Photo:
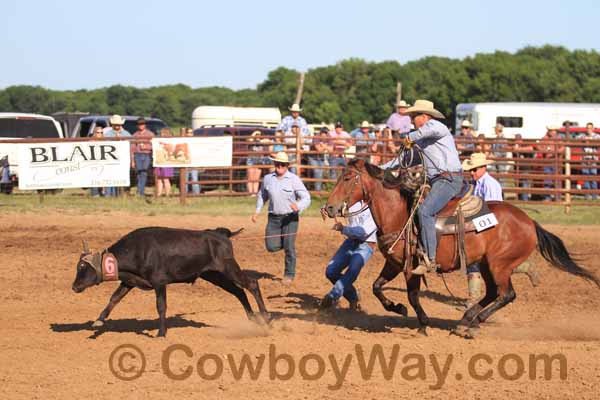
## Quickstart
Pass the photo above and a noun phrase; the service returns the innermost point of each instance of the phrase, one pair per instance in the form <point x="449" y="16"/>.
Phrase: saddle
<point x="465" y="207"/>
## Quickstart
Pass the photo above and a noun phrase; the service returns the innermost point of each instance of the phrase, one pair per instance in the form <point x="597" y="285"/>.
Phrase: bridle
<point x="344" y="212"/>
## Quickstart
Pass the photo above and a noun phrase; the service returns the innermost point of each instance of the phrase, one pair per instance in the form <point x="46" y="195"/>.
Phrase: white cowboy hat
<point x="295" y="108"/>
<point x="552" y="127"/>
<point x="466" y="124"/>
<point x="365" y="124"/>
<point x="280" y="157"/>
<point x="424" y="107"/>
<point x="116" y="120"/>
<point x="402" y="103"/>
<point x="476" y="160"/>
<point x="256" y="133"/>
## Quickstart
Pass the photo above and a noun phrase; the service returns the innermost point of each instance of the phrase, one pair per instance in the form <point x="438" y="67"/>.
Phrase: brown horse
<point x="499" y="250"/>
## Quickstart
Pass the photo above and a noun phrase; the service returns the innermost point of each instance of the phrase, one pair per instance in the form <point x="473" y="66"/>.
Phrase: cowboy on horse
<point x="444" y="173"/>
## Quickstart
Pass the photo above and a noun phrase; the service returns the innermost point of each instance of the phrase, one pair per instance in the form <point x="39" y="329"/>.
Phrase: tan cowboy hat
<point x="476" y="160"/>
<point x="402" y="103"/>
<point x="424" y="107"/>
<point x="116" y="120"/>
<point x="552" y="127"/>
<point x="280" y="157"/>
<point x="466" y="124"/>
<point x="365" y="124"/>
<point x="256" y="133"/>
<point x="295" y="108"/>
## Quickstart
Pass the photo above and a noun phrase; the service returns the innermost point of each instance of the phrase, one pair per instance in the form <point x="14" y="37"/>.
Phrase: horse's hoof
<point x="400" y="309"/>
<point x="460" y="330"/>
<point x="98" y="324"/>
<point x="471" y="333"/>
<point x="422" y="331"/>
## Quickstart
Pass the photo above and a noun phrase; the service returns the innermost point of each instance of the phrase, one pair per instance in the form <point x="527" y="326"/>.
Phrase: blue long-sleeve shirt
<point x="438" y="145"/>
<point x="280" y="193"/>
<point x="488" y="188"/>
<point x="361" y="227"/>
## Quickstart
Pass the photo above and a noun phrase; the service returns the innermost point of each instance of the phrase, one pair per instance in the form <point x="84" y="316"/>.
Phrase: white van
<point x="24" y="126"/>
<point x="218" y="116"/>
<point x="528" y="119"/>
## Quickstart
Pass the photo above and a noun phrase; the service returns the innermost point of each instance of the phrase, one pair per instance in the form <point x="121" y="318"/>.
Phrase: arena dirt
<point x="48" y="349"/>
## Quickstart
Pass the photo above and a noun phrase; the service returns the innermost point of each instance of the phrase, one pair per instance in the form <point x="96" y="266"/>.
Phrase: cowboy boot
<point x="355" y="304"/>
<point x="474" y="287"/>
<point x="425" y="265"/>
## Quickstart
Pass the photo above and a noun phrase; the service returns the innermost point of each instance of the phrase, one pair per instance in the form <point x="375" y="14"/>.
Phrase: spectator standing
<point x="142" y="153"/>
<point x="525" y="155"/>
<point x="163" y="175"/>
<point x="376" y="147"/>
<point x="467" y="147"/>
<point x="362" y="139"/>
<point x="400" y="121"/>
<point x="548" y="149"/>
<point x="5" y="183"/>
<point x="590" y="158"/>
<point x="259" y="150"/>
<point x="501" y="167"/>
<point x="294" y="119"/>
<point x="116" y="130"/>
<point x="321" y="147"/>
<point x="97" y="134"/>
<point x="192" y="173"/>
<point x="340" y="140"/>
<point x="287" y="197"/>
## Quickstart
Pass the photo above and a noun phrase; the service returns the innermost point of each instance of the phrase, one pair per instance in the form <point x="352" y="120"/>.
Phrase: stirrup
<point x="425" y="265"/>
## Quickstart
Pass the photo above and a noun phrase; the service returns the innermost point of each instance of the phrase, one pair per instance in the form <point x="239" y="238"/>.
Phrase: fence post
<point x="182" y="185"/>
<point x="298" y="155"/>
<point x="568" y="180"/>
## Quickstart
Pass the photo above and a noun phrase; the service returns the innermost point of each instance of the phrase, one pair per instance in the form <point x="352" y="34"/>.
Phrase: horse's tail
<point x="553" y="249"/>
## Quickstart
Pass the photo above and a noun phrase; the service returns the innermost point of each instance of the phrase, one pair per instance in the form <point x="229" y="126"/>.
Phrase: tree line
<point x="351" y="90"/>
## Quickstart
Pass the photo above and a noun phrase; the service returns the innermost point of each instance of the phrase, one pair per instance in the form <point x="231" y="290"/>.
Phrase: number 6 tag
<point x="485" y="222"/>
<point x="110" y="267"/>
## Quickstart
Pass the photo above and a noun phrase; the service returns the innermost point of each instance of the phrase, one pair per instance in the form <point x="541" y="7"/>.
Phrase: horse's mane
<point x="387" y="180"/>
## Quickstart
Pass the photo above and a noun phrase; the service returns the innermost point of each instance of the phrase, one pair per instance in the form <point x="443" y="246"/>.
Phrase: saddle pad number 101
<point x="485" y="222"/>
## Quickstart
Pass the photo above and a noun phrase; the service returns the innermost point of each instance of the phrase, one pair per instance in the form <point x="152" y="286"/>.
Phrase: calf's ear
<point x="86" y="248"/>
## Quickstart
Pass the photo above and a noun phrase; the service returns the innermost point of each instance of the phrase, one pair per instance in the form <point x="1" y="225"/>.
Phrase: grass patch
<point x="79" y="201"/>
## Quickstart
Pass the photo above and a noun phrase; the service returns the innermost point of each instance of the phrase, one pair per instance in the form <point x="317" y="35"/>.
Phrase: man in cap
<point x="141" y="152"/>
<point x="444" y="173"/>
<point x="489" y="189"/>
<point x="400" y="120"/>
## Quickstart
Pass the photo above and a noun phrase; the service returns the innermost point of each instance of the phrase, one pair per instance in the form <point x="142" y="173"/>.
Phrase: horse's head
<point x="354" y="184"/>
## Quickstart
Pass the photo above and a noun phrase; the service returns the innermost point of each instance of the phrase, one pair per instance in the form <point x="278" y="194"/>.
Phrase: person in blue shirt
<point x="444" y="173"/>
<point x="363" y="137"/>
<point x="287" y="197"/>
<point x="116" y="130"/>
<point x="353" y="254"/>
<point x="489" y="189"/>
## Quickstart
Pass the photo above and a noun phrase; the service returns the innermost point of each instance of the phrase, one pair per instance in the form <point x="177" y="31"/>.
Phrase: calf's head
<point x="88" y="270"/>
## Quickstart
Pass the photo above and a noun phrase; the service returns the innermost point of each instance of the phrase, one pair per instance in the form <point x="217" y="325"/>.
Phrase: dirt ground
<point x="49" y="350"/>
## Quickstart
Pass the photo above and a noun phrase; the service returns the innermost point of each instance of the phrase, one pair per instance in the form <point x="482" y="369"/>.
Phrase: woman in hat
<point x="287" y="197"/>
<point x="443" y="170"/>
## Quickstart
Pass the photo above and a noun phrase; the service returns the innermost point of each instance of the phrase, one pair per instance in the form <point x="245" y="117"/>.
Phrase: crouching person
<point x="352" y="255"/>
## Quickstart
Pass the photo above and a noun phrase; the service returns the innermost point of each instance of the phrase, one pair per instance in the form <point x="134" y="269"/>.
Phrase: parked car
<point x="85" y="126"/>
<point x="239" y="133"/>
<point x="23" y="126"/>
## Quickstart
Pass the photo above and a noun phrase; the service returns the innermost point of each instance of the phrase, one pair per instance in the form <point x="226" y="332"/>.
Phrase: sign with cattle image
<point x="192" y="152"/>
<point x="73" y="165"/>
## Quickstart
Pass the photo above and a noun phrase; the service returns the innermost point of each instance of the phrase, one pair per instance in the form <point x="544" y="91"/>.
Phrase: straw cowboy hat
<point x="295" y="108"/>
<point x="552" y="127"/>
<point x="402" y="103"/>
<point x="424" y="107"/>
<point x="476" y="160"/>
<point x="256" y="133"/>
<point x="280" y="157"/>
<point x="466" y="124"/>
<point x="365" y="124"/>
<point x="116" y="120"/>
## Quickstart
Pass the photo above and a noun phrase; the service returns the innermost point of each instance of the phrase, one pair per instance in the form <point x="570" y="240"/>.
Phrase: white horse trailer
<point x="216" y="116"/>
<point x="528" y="119"/>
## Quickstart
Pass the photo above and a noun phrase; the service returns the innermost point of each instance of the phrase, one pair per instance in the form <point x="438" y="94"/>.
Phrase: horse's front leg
<point x="413" y="286"/>
<point x="388" y="273"/>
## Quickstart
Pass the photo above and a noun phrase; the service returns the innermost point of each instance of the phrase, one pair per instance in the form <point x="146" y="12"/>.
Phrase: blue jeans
<point x="317" y="172"/>
<point x="283" y="225"/>
<point x="336" y="162"/>
<point x="590" y="185"/>
<point x="442" y="191"/>
<point x="524" y="196"/>
<point x="142" y="163"/>
<point x="548" y="184"/>
<point x="192" y="175"/>
<point x="95" y="192"/>
<point x="111" y="192"/>
<point x="353" y="255"/>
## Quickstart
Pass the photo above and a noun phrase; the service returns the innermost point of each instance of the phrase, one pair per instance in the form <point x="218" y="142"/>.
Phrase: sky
<point x="86" y="45"/>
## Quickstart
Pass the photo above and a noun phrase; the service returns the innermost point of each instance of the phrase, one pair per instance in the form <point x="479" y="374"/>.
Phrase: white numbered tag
<point x="485" y="221"/>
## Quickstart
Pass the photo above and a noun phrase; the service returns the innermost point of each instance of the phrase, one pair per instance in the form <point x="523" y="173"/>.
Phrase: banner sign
<point x="73" y="165"/>
<point x="192" y="151"/>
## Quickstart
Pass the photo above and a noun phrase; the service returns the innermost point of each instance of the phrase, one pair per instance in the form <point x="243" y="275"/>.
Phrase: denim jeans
<point x="548" y="184"/>
<point x="336" y="162"/>
<point x="142" y="163"/>
<point x="524" y="196"/>
<point x="95" y="191"/>
<point x="283" y="225"/>
<point x="192" y="175"/>
<point x="353" y="255"/>
<point x="442" y="190"/>
<point x="590" y="185"/>
<point x="317" y="172"/>
<point x="111" y="192"/>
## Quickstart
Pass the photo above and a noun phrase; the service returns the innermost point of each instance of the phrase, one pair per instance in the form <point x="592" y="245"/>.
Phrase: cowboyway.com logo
<point x="179" y="362"/>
